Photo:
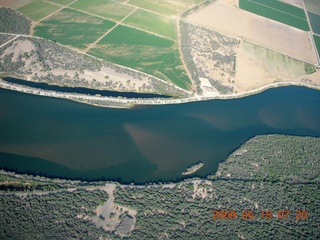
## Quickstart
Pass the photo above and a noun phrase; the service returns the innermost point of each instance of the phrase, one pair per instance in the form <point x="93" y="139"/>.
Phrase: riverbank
<point x="120" y="102"/>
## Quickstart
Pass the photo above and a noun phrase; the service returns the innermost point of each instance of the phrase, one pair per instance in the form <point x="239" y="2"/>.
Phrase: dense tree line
<point x="186" y="210"/>
<point x="13" y="22"/>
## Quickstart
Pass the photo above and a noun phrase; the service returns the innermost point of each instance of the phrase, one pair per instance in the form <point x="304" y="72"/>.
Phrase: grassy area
<point x="152" y="22"/>
<point x="104" y="8"/>
<point x="145" y="52"/>
<point x="278" y="11"/>
<point x="62" y="2"/>
<point x="73" y="28"/>
<point x="38" y="9"/>
<point x="165" y="7"/>
<point x="317" y="41"/>
<point x="277" y="63"/>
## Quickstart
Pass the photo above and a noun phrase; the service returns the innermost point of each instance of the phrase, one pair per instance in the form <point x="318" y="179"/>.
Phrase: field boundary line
<point x="277" y="10"/>
<point x="194" y="84"/>
<point x="311" y="32"/>
<point x="103" y="60"/>
<point x="99" y="39"/>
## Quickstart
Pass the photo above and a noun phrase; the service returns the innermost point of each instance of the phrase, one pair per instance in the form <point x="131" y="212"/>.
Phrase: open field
<point x="38" y="9"/>
<point x="104" y="8"/>
<point x="315" y="22"/>
<point x="231" y="65"/>
<point x="258" y="30"/>
<point x="313" y="6"/>
<point x="165" y="7"/>
<point x="151" y="22"/>
<point x="73" y="28"/>
<point x="317" y="41"/>
<point x="145" y="52"/>
<point x="277" y="11"/>
<point x="62" y="2"/>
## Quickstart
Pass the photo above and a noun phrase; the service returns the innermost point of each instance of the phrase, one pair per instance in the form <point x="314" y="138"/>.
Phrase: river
<point x="61" y="138"/>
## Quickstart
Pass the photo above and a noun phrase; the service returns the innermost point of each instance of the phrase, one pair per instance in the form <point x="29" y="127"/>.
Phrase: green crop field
<point x="315" y="22"/>
<point x="145" y="52"/>
<point x="38" y="9"/>
<point x="62" y="2"/>
<point x="104" y="8"/>
<point x="278" y="11"/>
<point x="151" y="22"/>
<point x="317" y="41"/>
<point x="73" y="28"/>
<point x="165" y="7"/>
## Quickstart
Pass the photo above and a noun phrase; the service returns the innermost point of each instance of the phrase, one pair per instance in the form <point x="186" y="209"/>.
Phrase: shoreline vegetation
<point x="122" y="102"/>
<point x="268" y="172"/>
<point x="193" y="168"/>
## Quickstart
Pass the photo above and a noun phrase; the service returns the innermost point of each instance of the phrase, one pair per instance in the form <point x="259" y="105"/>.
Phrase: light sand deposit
<point x="221" y="16"/>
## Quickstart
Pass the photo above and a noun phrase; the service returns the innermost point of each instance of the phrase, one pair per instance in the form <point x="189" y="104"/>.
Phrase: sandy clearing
<point x="256" y="29"/>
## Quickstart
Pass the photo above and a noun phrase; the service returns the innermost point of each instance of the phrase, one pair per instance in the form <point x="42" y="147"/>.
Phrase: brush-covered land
<point x="268" y="173"/>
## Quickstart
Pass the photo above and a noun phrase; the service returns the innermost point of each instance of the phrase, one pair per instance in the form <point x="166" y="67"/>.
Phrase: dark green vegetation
<point x="73" y="28"/>
<point x="287" y="178"/>
<point x="50" y="216"/>
<point x="13" y="22"/>
<point x="154" y="23"/>
<point x="145" y="52"/>
<point x="36" y="10"/>
<point x="278" y="11"/>
<point x="317" y="42"/>
<point x="265" y="158"/>
<point x="105" y="8"/>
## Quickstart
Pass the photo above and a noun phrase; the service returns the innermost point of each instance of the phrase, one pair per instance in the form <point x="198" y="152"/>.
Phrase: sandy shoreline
<point x="113" y="102"/>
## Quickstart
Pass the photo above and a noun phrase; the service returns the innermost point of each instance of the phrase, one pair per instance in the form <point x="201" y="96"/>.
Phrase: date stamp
<point x="263" y="214"/>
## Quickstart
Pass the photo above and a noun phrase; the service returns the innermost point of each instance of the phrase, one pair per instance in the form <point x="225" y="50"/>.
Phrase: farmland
<point x="315" y="22"/>
<point x="73" y="28"/>
<point x="104" y="8"/>
<point x="165" y="7"/>
<point x="317" y="41"/>
<point x="62" y="2"/>
<point x="38" y="9"/>
<point x="313" y="6"/>
<point x="148" y="21"/>
<point x="277" y="11"/>
<point x="145" y="52"/>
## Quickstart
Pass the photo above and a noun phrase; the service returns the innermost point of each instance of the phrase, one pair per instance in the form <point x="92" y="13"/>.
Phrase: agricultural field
<point x="145" y="52"/>
<point x="105" y="8"/>
<point x="313" y="6"/>
<point x="151" y="22"/>
<point x="278" y="11"/>
<point x="317" y="41"/>
<point x="38" y="9"/>
<point x="73" y="28"/>
<point x="165" y="7"/>
<point x="62" y="2"/>
<point x="315" y="22"/>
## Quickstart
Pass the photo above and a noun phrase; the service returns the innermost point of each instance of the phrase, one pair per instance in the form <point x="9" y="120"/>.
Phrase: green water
<point x="61" y="138"/>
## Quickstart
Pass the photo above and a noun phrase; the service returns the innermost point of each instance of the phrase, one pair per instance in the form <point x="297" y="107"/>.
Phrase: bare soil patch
<point x="222" y="17"/>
